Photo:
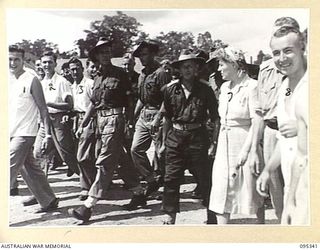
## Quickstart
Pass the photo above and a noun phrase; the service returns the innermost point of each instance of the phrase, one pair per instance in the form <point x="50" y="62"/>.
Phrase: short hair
<point x="50" y="53"/>
<point x="65" y="65"/>
<point x="75" y="61"/>
<point x="88" y="62"/>
<point x="16" y="49"/>
<point x="285" y="30"/>
<point x="287" y="22"/>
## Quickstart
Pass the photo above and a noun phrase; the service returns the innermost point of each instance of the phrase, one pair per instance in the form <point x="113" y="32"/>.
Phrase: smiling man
<point x="265" y="127"/>
<point x="58" y="96"/>
<point x="26" y="101"/>
<point x="288" y="47"/>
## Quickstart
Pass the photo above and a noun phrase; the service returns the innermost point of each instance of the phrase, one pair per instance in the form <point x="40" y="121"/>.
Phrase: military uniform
<point x="187" y="140"/>
<point x="269" y="82"/>
<point x="109" y="98"/>
<point x="150" y="84"/>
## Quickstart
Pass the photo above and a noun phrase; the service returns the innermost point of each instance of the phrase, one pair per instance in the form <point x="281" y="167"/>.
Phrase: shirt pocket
<point x="107" y="125"/>
<point x="112" y="83"/>
<point x="151" y="86"/>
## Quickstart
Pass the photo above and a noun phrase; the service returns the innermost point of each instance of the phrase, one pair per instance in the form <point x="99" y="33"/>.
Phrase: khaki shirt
<point x="269" y="81"/>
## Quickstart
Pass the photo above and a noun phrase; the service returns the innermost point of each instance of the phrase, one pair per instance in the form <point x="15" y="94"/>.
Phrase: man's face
<point x="76" y="71"/>
<point x="48" y="64"/>
<point x="38" y="68"/>
<point x="104" y="54"/>
<point x="15" y="63"/>
<point x="92" y="70"/>
<point x="188" y="69"/>
<point x="146" y="56"/>
<point x="128" y="64"/>
<point x="287" y="53"/>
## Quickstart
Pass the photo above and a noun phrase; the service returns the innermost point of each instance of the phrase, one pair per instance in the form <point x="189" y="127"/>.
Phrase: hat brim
<point x="198" y="60"/>
<point x="93" y="51"/>
<point x="152" y="47"/>
<point x="211" y="59"/>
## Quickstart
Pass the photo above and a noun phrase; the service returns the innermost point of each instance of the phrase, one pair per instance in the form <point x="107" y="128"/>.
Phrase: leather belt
<point x="111" y="111"/>
<point x="272" y="123"/>
<point x="147" y="106"/>
<point x="187" y="126"/>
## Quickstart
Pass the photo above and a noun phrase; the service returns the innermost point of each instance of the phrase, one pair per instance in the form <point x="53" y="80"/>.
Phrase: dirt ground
<point x="110" y="211"/>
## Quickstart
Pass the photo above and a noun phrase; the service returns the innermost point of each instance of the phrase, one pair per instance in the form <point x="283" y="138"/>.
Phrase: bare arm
<point x="38" y="96"/>
<point x="271" y="166"/>
<point x="137" y="109"/>
<point x="66" y="105"/>
<point x="87" y="116"/>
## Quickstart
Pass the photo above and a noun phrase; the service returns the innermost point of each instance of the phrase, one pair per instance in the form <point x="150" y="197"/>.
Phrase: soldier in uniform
<point x="109" y="99"/>
<point x="185" y="107"/>
<point x="152" y="78"/>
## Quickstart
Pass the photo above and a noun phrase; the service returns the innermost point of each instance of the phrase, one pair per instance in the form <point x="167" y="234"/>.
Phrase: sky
<point x="246" y="29"/>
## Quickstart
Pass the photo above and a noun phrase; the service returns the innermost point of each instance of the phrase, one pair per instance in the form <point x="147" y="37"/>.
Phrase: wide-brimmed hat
<point x="151" y="44"/>
<point x="102" y="41"/>
<point x="185" y="55"/>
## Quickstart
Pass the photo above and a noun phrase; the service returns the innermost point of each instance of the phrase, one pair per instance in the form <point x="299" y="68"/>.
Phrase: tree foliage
<point x="120" y="28"/>
<point x="173" y="42"/>
<point x="37" y="47"/>
<point x="204" y="41"/>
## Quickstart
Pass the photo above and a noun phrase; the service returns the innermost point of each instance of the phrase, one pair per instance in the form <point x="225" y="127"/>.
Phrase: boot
<point x="81" y="213"/>
<point x="30" y="201"/>
<point x="212" y="218"/>
<point x="137" y="201"/>
<point x="170" y="219"/>
<point x="152" y="187"/>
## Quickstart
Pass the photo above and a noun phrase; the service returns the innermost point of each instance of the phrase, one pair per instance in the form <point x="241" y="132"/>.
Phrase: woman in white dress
<point x="233" y="185"/>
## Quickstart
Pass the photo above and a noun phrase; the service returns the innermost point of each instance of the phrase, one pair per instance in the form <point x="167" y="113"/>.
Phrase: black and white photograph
<point x="158" y="117"/>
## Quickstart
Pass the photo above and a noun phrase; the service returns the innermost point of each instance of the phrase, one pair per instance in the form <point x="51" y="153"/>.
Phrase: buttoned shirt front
<point x="56" y="90"/>
<point x="151" y="81"/>
<point x="193" y="109"/>
<point x="82" y="93"/>
<point x="111" y="89"/>
<point x="236" y="104"/>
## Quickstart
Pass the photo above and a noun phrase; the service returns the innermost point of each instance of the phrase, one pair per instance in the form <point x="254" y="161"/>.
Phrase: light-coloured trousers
<point x="22" y="160"/>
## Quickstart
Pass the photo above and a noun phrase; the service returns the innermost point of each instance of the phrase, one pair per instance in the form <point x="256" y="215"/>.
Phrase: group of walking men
<point x="101" y="107"/>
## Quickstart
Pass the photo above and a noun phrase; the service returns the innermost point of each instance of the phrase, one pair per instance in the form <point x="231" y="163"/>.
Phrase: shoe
<point x="81" y="213"/>
<point x="70" y="172"/>
<point x="136" y="202"/>
<point x="211" y="218"/>
<point x="14" y="192"/>
<point x="152" y="187"/>
<point x="51" y="207"/>
<point x="83" y="197"/>
<point x="170" y="219"/>
<point x="30" y="201"/>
